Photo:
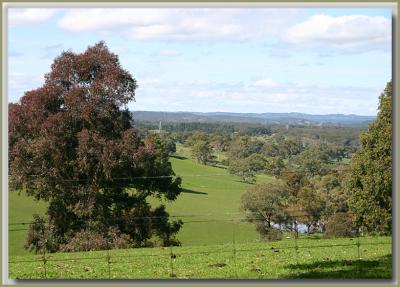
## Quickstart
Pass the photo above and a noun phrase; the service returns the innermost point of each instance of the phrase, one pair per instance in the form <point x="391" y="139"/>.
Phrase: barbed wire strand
<point x="161" y="176"/>
<point x="49" y="258"/>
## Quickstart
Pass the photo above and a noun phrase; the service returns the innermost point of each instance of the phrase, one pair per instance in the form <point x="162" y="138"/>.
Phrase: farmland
<point x="314" y="258"/>
<point x="209" y="193"/>
<point x="215" y="244"/>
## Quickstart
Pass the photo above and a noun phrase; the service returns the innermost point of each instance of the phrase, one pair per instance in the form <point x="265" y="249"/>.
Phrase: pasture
<point x="314" y="258"/>
<point x="209" y="194"/>
<point x="215" y="242"/>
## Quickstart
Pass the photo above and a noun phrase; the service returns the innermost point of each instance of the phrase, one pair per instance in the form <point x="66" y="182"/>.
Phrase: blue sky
<point x="309" y="60"/>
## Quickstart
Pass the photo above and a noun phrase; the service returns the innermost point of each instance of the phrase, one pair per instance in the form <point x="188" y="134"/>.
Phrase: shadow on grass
<point x="219" y="166"/>
<point x="313" y="236"/>
<point x="379" y="268"/>
<point x="184" y="190"/>
<point x="243" y="181"/>
<point x="178" y="156"/>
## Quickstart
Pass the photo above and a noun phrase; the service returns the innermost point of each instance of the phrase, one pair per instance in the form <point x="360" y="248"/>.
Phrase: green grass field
<point x="209" y="193"/>
<point x="314" y="258"/>
<point x="223" y="248"/>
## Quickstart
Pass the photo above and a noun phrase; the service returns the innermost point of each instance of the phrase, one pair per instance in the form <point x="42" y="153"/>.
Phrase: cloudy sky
<point x="309" y="60"/>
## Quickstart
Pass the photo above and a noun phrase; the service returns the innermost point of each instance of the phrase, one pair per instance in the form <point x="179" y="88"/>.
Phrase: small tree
<point x="168" y="143"/>
<point x="243" y="169"/>
<point x="202" y="152"/>
<point x="274" y="166"/>
<point x="248" y="167"/>
<point x="220" y="142"/>
<point x="311" y="203"/>
<point x="195" y="137"/>
<point x="239" y="148"/>
<point x="291" y="147"/>
<point x="265" y="205"/>
<point x="335" y="197"/>
<point x="339" y="225"/>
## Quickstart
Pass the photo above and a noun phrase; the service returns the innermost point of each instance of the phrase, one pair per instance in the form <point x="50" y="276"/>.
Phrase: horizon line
<point x="254" y="113"/>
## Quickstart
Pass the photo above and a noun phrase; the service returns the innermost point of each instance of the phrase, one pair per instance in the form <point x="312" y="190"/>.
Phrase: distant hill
<point x="264" y="118"/>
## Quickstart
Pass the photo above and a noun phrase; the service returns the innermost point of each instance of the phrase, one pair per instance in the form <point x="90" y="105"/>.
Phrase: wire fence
<point x="227" y="259"/>
<point x="234" y="259"/>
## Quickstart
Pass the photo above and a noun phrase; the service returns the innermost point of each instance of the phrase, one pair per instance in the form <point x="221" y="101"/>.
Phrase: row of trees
<point x="248" y="156"/>
<point x="340" y="202"/>
<point x="294" y="199"/>
<point x="248" y="129"/>
<point x="338" y="135"/>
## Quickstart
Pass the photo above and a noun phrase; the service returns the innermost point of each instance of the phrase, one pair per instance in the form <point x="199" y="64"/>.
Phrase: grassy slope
<point x="327" y="258"/>
<point x="213" y="197"/>
<point x="20" y="209"/>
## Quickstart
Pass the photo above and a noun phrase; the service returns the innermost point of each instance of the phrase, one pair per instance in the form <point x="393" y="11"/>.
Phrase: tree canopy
<point x="73" y="144"/>
<point x="370" y="180"/>
<point x="265" y="205"/>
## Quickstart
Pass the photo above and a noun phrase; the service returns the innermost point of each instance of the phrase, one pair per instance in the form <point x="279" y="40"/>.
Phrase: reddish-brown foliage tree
<point x="73" y="144"/>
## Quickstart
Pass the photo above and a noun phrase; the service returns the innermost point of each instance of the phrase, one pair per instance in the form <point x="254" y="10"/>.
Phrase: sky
<point x="253" y="60"/>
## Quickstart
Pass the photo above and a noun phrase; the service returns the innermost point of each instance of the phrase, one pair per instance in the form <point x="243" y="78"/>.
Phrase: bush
<point x="41" y="236"/>
<point x="85" y="240"/>
<point x="117" y="239"/>
<point x="339" y="225"/>
<point x="269" y="233"/>
<point x="224" y="162"/>
<point x="88" y="240"/>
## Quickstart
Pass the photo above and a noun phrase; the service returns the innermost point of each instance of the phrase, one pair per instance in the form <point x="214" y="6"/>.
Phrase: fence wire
<point x="172" y="255"/>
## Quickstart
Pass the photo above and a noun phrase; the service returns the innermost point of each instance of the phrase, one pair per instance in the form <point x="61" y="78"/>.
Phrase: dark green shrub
<point x="41" y="236"/>
<point x="339" y="225"/>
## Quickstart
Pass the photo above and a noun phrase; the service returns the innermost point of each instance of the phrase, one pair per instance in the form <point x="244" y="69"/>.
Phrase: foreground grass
<point x="314" y="258"/>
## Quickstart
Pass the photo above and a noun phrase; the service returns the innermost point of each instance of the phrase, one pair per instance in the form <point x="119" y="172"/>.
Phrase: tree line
<point x="343" y="202"/>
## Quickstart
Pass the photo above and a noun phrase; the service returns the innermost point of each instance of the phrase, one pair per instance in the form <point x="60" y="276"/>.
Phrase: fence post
<point x="44" y="262"/>
<point x="234" y="249"/>
<point x="296" y="247"/>
<point x="358" y="253"/>
<point x="44" y="246"/>
<point x="109" y="263"/>
<point x="171" y="263"/>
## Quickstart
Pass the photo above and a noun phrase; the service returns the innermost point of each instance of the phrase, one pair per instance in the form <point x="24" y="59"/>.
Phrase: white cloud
<point x="266" y="83"/>
<point x="19" y="83"/>
<point x="157" y="94"/>
<point x="18" y="16"/>
<point x="97" y="19"/>
<point x="179" y="23"/>
<point x="170" y="53"/>
<point x="149" y="82"/>
<point x="344" y="32"/>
